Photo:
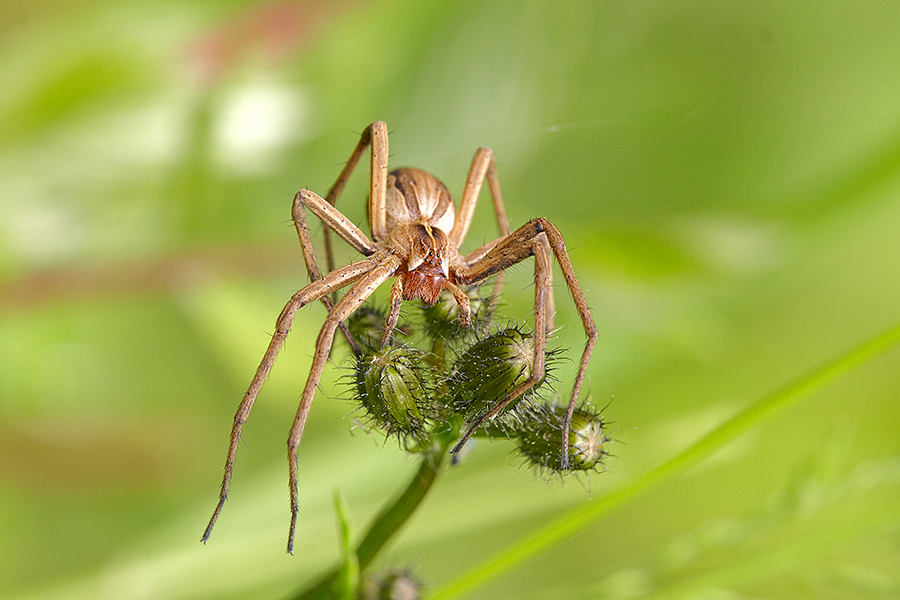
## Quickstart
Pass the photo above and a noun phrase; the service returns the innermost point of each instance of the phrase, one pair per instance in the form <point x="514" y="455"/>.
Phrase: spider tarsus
<point x="291" y="530"/>
<point x="465" y="438"/>
<point x="455" y="450"/>
<point x="215" y="517"/>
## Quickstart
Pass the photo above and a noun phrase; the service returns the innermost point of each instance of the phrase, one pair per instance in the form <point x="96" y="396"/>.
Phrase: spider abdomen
<point x="416" y="196"/>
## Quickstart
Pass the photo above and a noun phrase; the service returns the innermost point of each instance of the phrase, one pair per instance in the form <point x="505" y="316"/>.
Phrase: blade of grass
<point x="582" y="517"/>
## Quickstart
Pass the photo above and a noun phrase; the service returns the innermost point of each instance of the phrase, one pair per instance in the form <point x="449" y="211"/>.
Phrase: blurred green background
<point x="727" y="176"/>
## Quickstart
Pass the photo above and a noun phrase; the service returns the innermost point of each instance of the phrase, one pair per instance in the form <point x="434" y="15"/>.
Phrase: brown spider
<point x="417" y="234"/>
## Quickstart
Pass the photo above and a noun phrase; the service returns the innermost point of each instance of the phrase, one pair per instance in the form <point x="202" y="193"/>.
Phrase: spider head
<point x="427" y="251"/>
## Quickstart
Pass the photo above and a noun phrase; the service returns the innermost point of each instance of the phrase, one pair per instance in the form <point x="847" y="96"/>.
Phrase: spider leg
<point x="378" y="181"/>
<point x="551" y="302"/>
<point x="514" y="254"/>
<point x="333" y="218"/>
<point x="465" y="308"/>
<point x="532" y="239"/>
<point x="394" y="314"/>
<point x="482" y="251"/>
<point x="478" y="253"/>
<point x="345" y="228"/>
<point x="312" y="292"/>
<point x="465" y="312"/>
<point x="483" y="166"/>
<point x="374" y="135"/>
<point x="380" y="269"/>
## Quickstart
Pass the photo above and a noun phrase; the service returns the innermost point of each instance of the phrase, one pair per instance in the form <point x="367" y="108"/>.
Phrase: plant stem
<point x="386" y="524"/>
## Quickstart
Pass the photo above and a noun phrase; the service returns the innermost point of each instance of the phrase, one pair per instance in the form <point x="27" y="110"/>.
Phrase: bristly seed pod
<point x="365" y="326"/>
<point x="395" y="584"/>
<point x="489" y="370"/>
<point x="540" y="438"/>
<point x="441" y="320"/>
<point x="392" y="387"/>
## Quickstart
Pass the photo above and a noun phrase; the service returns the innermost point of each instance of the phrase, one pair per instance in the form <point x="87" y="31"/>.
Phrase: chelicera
<point x="417" y="233"/>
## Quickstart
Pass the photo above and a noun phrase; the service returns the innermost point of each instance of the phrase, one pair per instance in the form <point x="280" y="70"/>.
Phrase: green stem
<point x="394" y="516"/>
<point x="753" y="415"/>
<point x="386" y="525"/>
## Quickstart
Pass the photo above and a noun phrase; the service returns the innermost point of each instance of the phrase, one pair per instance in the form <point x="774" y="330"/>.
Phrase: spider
<point x="416" y="236"/>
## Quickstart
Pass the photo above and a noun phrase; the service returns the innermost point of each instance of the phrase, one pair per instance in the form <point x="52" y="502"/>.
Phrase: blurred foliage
<point x="727" y="177"/>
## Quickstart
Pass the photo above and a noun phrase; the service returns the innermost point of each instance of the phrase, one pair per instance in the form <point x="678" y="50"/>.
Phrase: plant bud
<point x="540" y="439"/>
<point x="396" y="584"/>
<point x="489" y="370"/>
<point x="391" y="386"/>
<point x="366" y="325"/>
<point x="441" y="320"/>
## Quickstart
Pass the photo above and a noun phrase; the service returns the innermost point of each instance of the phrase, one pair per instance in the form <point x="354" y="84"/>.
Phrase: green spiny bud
<point x="441" y="320"/>
<point x="366" y="325"/>
<point x="489" y="370"/>
<point x="391" y="385"/>
<point x="540" y="439"/>
<point x="395" y="584"/>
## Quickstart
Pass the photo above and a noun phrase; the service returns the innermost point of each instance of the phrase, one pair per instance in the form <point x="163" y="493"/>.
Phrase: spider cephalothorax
<point x="416" y="236"/>
<point x="427" y="266"/>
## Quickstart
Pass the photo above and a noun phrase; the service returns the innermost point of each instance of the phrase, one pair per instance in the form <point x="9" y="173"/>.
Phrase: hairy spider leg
<point x="527" y="241"/>
<point x="312" y="292"/>
<point x="385" y="267"/>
